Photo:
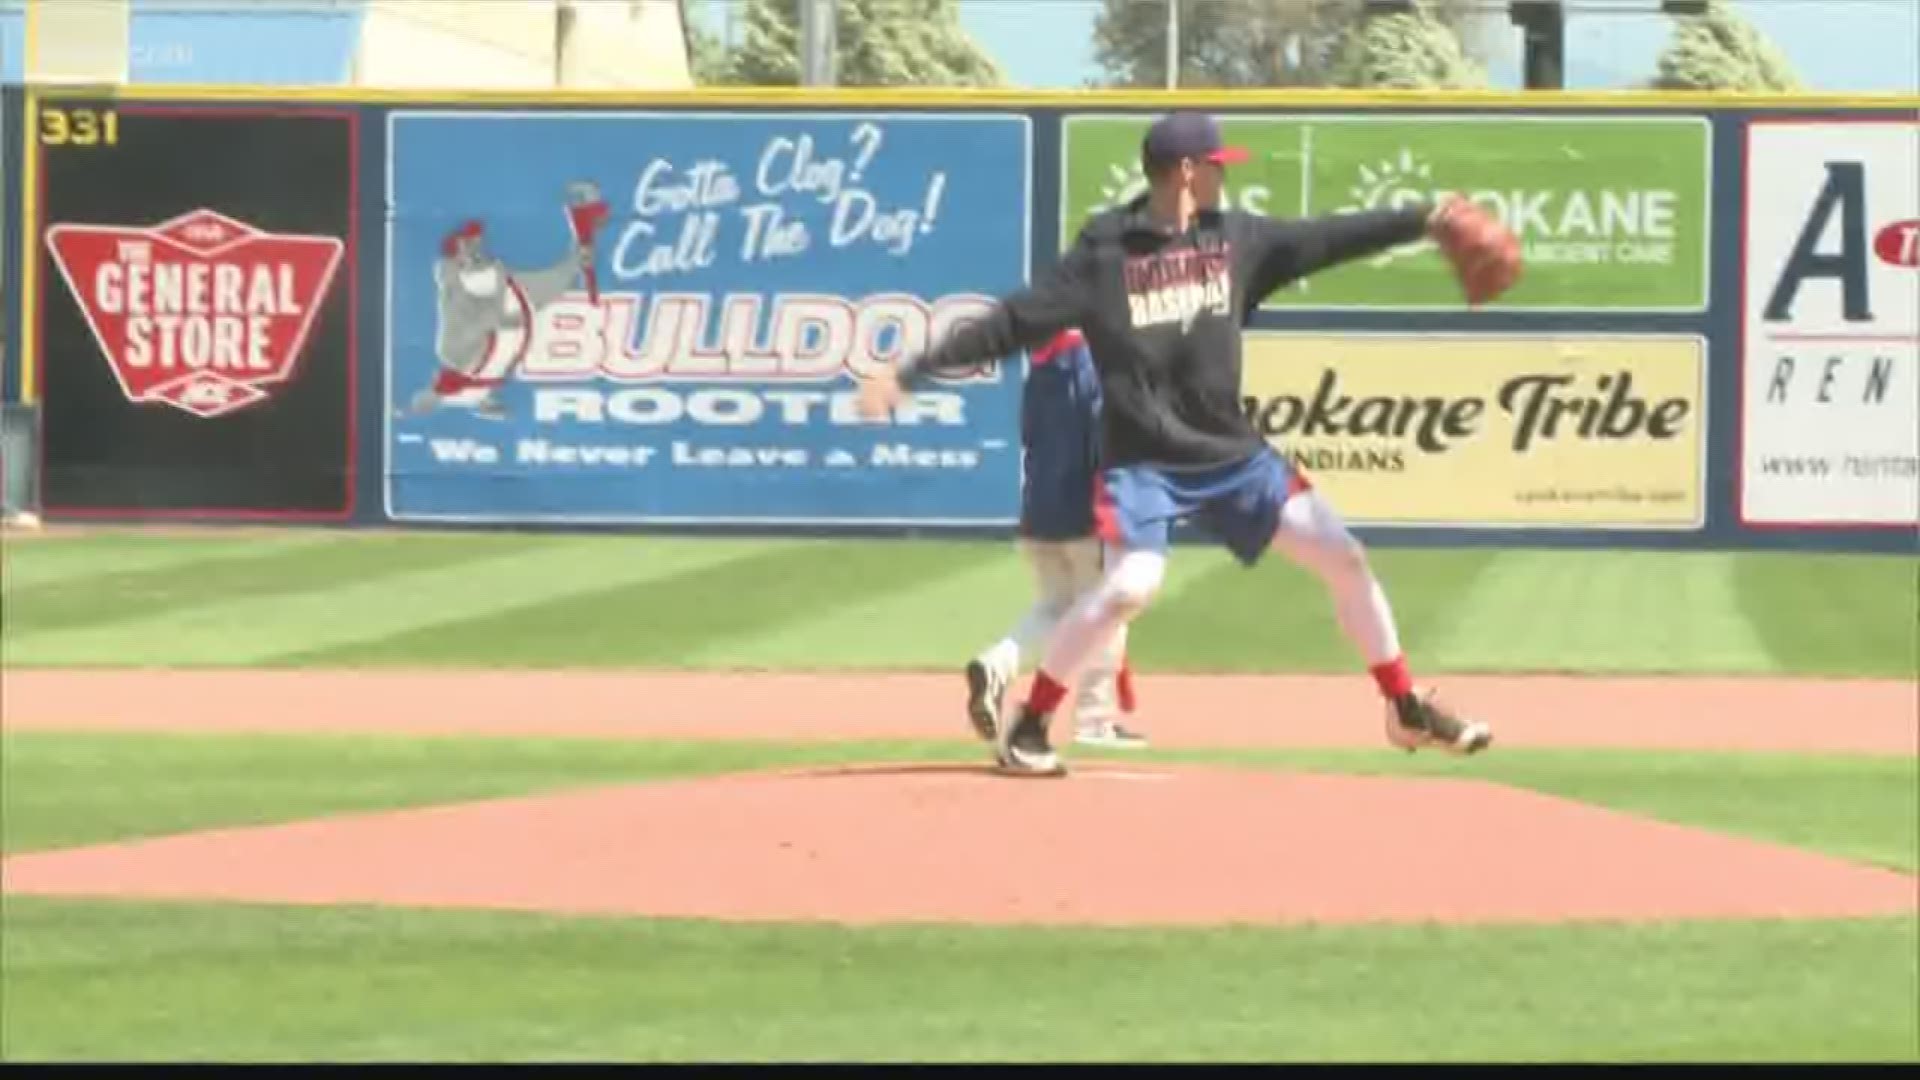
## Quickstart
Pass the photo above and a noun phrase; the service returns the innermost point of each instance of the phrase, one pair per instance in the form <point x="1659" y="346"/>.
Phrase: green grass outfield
<point x="193" y="981"/>
<point x="527" y="600"/>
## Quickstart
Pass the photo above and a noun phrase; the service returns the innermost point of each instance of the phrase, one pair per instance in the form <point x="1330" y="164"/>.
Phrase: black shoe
<point x="986" y="697"/>
<point x="1417" y="720"/>
<point x="1025" y="749"/>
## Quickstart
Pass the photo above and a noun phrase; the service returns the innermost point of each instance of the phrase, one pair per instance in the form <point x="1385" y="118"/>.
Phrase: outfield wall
<point x="238" y="306"/>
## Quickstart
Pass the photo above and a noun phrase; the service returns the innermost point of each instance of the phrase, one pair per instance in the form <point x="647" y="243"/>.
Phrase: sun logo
<point x="1390" y="183"/>
<point x="1405" y="176"/>
<point x="1124" y="183"/>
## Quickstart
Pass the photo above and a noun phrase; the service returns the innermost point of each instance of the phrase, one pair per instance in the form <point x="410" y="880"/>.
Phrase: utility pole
<point x="1173" y="44"/>
<point x="565" y="22"/>
<point x="817" y="33"/>
<point x="1544" y="26"/>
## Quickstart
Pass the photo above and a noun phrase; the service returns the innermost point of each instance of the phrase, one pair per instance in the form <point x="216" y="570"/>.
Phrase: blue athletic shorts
<point x="1135" y="506"/>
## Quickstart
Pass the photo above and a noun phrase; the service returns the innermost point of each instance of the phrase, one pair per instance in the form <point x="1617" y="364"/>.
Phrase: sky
<point x="1862" y="46"/>
<point x="1834" y="45"/>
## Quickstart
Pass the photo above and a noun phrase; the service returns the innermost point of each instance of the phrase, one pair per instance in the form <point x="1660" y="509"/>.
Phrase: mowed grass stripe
<point x="1863" y="807"/>
<point x="1611" y="612"/>
<point x="669" y="621"/>
<point x="153" y="592"/>
<point x="952" y="613"/>
<point x="30" y="565"/>
<point x="879" y="603"/>
<point x="1277" y="617"/>
<point x="953" y="616"/>
<point x="429" y="605"/>
<point x="140" y="981"/>
<point x="61" y="789"/>
<point x="1835" y="614"/>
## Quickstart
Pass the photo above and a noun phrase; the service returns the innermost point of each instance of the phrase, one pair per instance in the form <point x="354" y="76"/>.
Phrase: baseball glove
<point x="1484" y="253"/>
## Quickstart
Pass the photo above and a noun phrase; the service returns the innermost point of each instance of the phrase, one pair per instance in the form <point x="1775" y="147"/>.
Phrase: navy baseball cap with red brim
<point x="1189" y="135"/>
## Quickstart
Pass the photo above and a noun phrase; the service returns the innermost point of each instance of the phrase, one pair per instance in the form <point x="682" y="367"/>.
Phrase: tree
<point x="1720" y="50"/>
<point x="876" y="43"/>
<point x="1408" y="51"/>
<point x="1231" y="43"/>
<point x="706" y="57"/>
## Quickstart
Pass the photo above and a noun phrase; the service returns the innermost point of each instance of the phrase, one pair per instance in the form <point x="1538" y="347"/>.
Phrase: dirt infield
<point x="1861" y="716"/>
<point x="1112" y="844"/>
<point x="1157" y="844"/>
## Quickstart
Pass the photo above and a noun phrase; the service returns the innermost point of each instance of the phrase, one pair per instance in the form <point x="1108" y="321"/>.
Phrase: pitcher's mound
<point x="1110" y="845"/>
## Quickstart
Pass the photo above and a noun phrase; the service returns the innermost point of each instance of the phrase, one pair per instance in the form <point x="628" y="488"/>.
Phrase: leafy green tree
<point x="1414" y="50"/>
<point x="1252" y="43"/>
<point x="1721" y="50"/>
<point x="706" y="55"/>
<point x="876" y="43"/>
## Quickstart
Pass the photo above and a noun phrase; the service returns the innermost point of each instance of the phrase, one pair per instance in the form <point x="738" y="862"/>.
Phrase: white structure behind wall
<point x="76" y="41"/>
<point x="387" y="44"/>
<point x="522" y="44"/>
<point x="627" y="43"/>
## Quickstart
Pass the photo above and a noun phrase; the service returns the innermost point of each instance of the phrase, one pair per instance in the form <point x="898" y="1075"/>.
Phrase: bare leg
<point x="1094" y="697"/>
<point x="990" y="672"/>
<point x="1126" y="588"/>
<point x="1312" y="534"/>
<point x="1055" y="586"/>
<point x="1098" y="700"/>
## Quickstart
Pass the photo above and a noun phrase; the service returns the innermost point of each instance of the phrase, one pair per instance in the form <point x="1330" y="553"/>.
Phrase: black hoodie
<point x="1162" y="311"/>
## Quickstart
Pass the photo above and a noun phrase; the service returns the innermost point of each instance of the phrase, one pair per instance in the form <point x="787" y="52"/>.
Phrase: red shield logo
<point x="203" y="313"/>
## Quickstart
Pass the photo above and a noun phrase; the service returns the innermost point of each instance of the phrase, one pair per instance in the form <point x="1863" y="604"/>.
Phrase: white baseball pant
<point x="1063" y="572"/>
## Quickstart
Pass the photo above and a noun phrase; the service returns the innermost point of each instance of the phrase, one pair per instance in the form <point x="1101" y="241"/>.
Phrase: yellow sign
<point x="1508" y="431"/>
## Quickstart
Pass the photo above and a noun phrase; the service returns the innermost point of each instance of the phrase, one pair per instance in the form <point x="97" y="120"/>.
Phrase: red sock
<point x="1392" y="677"/>
<point x="1045" y="694"/>
<point x="1123" y="683"/>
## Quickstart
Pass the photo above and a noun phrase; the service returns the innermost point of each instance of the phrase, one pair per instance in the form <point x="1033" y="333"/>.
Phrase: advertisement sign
<point x="664" y="317"/>
<point x="195" y="307"/>
<point x="9" y="272"/>
<point x="1830" y="356"/>
<point x="1493" y="431"/>
<point x="1612" y="213"/>
<point x="18" y="436"/>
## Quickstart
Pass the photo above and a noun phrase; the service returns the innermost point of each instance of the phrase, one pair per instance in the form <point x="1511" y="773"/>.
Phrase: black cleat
<point x="986" y="698"/>
<point x="1419" y="720"/>
<point x="1024" y="748"/>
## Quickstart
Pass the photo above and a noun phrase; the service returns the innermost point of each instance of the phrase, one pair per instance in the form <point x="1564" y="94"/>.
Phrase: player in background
<point x="1059" y="461"/>
<point x="1162" y="288"/>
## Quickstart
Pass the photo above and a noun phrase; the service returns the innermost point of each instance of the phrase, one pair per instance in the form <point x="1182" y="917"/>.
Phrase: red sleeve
<point x="1066" y="339"/>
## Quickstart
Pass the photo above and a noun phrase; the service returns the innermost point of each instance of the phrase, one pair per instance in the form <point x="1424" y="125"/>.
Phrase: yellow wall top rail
<point x="978" y="98"/>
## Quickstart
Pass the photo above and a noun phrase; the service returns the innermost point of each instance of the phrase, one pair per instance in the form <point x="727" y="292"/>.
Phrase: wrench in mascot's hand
<point x="586" y="213"/>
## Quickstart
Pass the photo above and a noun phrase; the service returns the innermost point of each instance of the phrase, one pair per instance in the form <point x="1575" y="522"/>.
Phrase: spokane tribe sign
<point x="202" y="313"/>
<point x="1830" y="424"/>
<point x="196" y="327"/>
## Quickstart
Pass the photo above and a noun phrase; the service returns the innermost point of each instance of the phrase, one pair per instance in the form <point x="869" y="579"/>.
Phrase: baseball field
<point x="311" y="795"/>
